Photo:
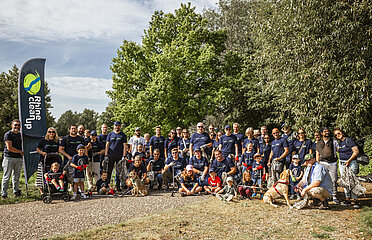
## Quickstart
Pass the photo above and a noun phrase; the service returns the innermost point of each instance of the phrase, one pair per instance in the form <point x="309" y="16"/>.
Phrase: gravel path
<point x="35" y="220"/>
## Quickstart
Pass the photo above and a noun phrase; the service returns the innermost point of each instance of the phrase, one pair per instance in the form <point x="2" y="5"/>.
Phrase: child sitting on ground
<point x="140" y="170"/>
<point x="55" y="175"/>
<point x="103" y="185"/>
<point x="79" y="163"/>
<point x="257" y="173"/>
<point x="214" y="182"/>
<point x="296" y="172"/>
<point x="229" y="191"/>
<point x="189" y="183"/>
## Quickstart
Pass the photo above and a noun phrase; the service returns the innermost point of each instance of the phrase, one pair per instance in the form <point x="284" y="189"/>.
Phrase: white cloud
<point x="56" y="20"/>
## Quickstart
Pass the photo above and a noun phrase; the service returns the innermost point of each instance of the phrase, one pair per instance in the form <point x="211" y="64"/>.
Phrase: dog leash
<point x="276" y="190"/>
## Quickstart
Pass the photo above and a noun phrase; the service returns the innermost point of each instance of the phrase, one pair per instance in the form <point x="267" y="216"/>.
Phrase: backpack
<point x="362" y="158"/>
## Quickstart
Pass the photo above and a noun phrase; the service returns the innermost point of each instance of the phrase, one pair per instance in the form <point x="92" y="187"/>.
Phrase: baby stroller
<point x="49" y="190"/>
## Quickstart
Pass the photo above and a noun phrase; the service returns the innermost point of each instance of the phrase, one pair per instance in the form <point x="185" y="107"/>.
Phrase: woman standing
<point x="348" y="152"/>
<point x="301" y="146"/>
<point x="170" y="143"/>
<point x="184" y="145"/>
<point x="216" y="143"/>
<point x="265" y="150"/>
<point x="49" y="144"/>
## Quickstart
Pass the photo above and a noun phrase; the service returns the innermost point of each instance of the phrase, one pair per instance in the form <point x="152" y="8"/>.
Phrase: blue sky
<point x="78" y="39"/>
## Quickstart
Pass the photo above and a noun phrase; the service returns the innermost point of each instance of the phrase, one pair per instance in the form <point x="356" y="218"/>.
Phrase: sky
<point x="78" y="40"/>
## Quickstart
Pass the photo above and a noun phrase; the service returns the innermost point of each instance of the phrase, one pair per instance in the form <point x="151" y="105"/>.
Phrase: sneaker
<point x="18" y="194"/>
<point x="4" y="197"/>
<point x="346" y="203"/>
<point x="73" y="197"/>
<point x="58" y="188"/>
<point x="183" y="194"/>
<point x="159" y="187"/>
<point x="61" y="189"/>
<point x="166" y="189"/>
<point x="218" y="196"/>
<point x="254" y="194"/>
<point x="336" y="201"/>
<point x="261" y="195"/>
<point x="292" y="197"/>
<point x="315" y="202"/>
<point x="356" y="205"/>
<point x="83" y="196"/>
<point x="324" y="205"/>
<point x="298" y="197"/>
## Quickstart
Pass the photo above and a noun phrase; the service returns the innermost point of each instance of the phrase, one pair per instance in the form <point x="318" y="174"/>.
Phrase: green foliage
<point x="106" y="117"/>
<point x="9" y="101"/>
<point x="88" y="118"/>
<point x="172" y="77"/>
<point x="365" y="220"/>
<point x="364" y="170"/>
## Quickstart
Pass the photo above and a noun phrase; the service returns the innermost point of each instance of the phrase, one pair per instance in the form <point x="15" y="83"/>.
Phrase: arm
<point x="353" y="156"/>
<point x="286" y="151"/>
<point x="38" y="150"/>
<point x="107" y="148"/>
<point x="270" y="158"/>
<point x="61" y="150"/>
<point x="190" y="147"/>
<point x="317" y="156"/>
<point x="236" y="150"/>
<point x="232" y="171"/>
<point x="312" y="185"/>
<point x="10" y="147"/>
<point x="125" y="149"/>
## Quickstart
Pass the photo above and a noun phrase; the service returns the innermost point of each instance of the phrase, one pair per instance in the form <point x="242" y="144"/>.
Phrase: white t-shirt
<point x="134" y="142"/>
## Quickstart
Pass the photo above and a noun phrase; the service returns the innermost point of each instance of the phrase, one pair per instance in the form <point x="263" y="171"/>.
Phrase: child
<point x="257" y="173"/>
<point x="103" y="185"/>
<point x="189" y="183"/>
<point x="54" y="175"/>
<point x="79" y="163"/>
<point x="140" y="169"/>
<point x="214" y="181"/>
<point x="296" y="172"/>
<point x="141" y="153"/>
<point x="229" y="191"/>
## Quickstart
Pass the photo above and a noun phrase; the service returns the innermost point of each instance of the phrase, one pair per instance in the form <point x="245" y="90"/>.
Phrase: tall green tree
<point x="9" y="100"/>
<point x="88" y="118"/>
<point x="172" y="77"/>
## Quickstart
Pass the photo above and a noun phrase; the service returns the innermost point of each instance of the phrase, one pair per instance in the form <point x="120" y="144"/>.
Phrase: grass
<point x="212" y="219"/>
<point x="365" y="220"/>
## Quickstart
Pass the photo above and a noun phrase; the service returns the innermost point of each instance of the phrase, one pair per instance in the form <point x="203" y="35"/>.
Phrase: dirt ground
<point x="213" y="219"/>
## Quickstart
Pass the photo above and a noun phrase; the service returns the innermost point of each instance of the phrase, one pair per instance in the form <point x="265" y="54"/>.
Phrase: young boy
<point x="296" y="172"/>
<point x="103" y="185"/>
<point x="54" y="175"/>
<point x="257" y="173"/>
<point x="229" y="191"/>
<point x="214" y="181"/>
<point x="79" y="163"/>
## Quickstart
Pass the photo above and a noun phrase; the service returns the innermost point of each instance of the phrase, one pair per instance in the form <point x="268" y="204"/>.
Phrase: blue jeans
<point x="354" y="167"/>
<point x="11" y="166"/>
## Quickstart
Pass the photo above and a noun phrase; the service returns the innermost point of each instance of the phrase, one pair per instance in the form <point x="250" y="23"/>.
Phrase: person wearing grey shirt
<point x="229" y="191"/>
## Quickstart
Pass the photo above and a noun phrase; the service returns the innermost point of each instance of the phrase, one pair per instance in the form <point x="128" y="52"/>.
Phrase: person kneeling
<point x="189" y="183"/>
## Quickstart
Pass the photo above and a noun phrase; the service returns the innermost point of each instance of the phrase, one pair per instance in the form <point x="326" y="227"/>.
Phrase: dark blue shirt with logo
<point x="199" y="140"/>
<point x="116" y="144"/>
<point x="198" y="164"/>
<point x="79" y="161"/>
<point x="344" y="148"/>
<point x="158" y="143"/>
<point x="239" y="140"/>
<point x="70" y="143"/>
<point x="228" y="144"/>
<point x="224" y="166"/>
<point x="277" y="147"/>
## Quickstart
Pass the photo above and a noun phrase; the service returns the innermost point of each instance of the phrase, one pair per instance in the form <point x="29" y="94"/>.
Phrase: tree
<point x="9" y="100"/>
<point x="88" y="118"/>
<point x="106" y="117"/>
<point x="172" y="77"/>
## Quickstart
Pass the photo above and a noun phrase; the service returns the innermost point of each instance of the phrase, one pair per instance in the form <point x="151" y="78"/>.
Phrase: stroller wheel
<point x="47" y="199"/>
<point x="66" y="198"/>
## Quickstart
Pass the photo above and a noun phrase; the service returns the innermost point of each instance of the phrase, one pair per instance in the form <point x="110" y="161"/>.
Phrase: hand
<point x="347" y="163"/>
<point x="85" y="166"/>
<point x="21" y="153"/>
<point x="303" y="192"/>
<point x="62" y="176"/>
<point x="171" y="164"/>
<point x="123" y="158"/>
<point x="69" y="158"/>
<point x="112" y="191"/>
<point x="44" y="154"/>
<point x="269" y="164"/>
<point x="202" y="177"/>
<point x="276" y="159"/>
<point x="79" y="168"/>
<point x="106" y="158"/>
<point x="188" y="192"/>
<point x="90" y="192"/>
<point x="94" y="154"/>
<point x="237" y="158"/>
<point x="48" y="179"/>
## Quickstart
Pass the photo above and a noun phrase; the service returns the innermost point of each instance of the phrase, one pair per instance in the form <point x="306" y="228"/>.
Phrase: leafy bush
<point x="364" y="170"/>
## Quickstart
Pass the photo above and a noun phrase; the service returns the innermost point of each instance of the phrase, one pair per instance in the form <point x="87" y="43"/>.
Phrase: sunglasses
<point x="184" y="132"/>
<point x="266" y="138"/>
<point x="94" y="135"/>
<point x="301" y="133"/>
<point x="228" y="129"/>
<point x="275" y="133"/>
<point x="172" y="133"/>
<point x="179" y="129"/>
<point x="156" y="154"/>
<point x="17" y="125"/>
<point x="51" y="132"/>
<point x="200" y="127"/>
<point x="338" y="133"/>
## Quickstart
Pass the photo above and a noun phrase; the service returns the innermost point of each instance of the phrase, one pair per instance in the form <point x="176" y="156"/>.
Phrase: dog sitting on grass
<point x="139" y="186"/>
<point x="279" y="189"/>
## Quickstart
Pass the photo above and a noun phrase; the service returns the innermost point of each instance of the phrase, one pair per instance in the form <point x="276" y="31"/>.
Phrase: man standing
<point x="279" y="150"/>
<point x="102" y="139"/>
<point x="69" y="144"/>
<point x="228" y="143"/>
<point x="135" y="141"/>
<point x="12" y="163"/>
<point x="239" y="137"/>
<point x="179" y="132"/>
<point x="200" y="139"/>
<point x="325" y="155"/>
<point x="116" y="149"/>
<point x="262" y="136"/>
<point x="290" y="137"/>
<point x="81" y="130"/>
<point x="316" y="182"/>
<point x="157" y="142"/>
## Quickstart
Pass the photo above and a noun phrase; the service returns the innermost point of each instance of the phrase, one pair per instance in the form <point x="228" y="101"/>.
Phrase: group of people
<point x="210" y="161"/>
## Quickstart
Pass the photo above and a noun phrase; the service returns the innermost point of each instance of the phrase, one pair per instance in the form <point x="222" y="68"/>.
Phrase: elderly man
<point x="200" y="139"/>
<point x="316" y="182"/>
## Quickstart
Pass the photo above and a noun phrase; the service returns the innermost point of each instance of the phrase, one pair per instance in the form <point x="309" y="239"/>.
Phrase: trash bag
<point x="350" y="182"/>
<point x="122" y="170"/>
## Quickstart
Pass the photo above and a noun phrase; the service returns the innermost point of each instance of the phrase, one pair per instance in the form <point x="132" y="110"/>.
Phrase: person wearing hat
<point x="79" y="162"/>
<point x="201" y="140"/>
<point x="326" y="156"/>
<point x="316" y="182"/>
<point x="115" y="150"/>
<point x="290" y="137"/>
<point x="135" y="140"/>
<point x="96" y="149"/>
<point x="200" y="164"/>
<point x="214" y="183"/>
<point x="189" y="183"/>
<point x="229" y="191"/>
<point x="228" y="143"/>
<point x="296" y="172"/>
<point x="258" y="172"/>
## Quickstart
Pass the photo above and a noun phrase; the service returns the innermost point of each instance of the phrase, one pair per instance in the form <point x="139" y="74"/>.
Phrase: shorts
<point x="76" y="180"/>
<point x="256" y="181"/>
<point x="102" y="192"/>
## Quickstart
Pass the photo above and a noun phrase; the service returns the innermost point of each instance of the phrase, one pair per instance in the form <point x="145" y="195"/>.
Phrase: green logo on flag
<point x="32" y="83"/>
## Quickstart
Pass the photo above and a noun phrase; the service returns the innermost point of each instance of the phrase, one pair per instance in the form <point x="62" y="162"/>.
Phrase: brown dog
<point x="280" y="188"/>
<point x="139" y="186"/>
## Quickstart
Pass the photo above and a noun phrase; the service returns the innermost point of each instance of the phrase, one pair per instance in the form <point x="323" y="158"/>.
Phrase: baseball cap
<point x="212" y="170"/>
<point x="80" y="146"/>
<point x="256" y="155"/>
<point x="189" y="167"/>
<point x="309" y="156"/>
<point x="227" y="126"/>
<point x="229" y="179"/>
<point x="285" y="125"/>
<point x="138" y="129"/>
<point x="117" y="123"/>
<point x="295" y="156"/>
<point x="197" y="149"/>
<point x="93" y="132"/>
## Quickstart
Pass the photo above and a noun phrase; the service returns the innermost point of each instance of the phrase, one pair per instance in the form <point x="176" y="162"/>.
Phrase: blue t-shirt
<point x="247" y="141"/>
<point x="224" y="166"/>
<point x="179" y="166"/>
<point x="344" y="148"/>
<point x="158" y="143"/>
<point x="96" y="147"/>
<point x="147" y="146"/>
<point x="48" y="146"/>
<point x="102" y="138"/>
<point x="259" y="172"/>
<point x="70" y="143"/>
<point x="198" y="140"/>
<point x="313" y="146"/>
<point x="277" y="147"/>
<point x="189" y="182"/>
<point x="170" y="144"/>
<point x="199" y="164"/>
<point x="157" y="165"/>
<point x="247" y="158"/>
<point x="183" y="143"/>
<point x="239" y="140"/>
<point x="140" y="170"/>
<point x="228" y="144"/>
<point x="296" y="170"/>
<point x="79" y="161"/>
<point x="290" y="139"/>
<point x="304" y="150"/>
<point x="116" y="144"/>
<point x="265" y="150"/>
